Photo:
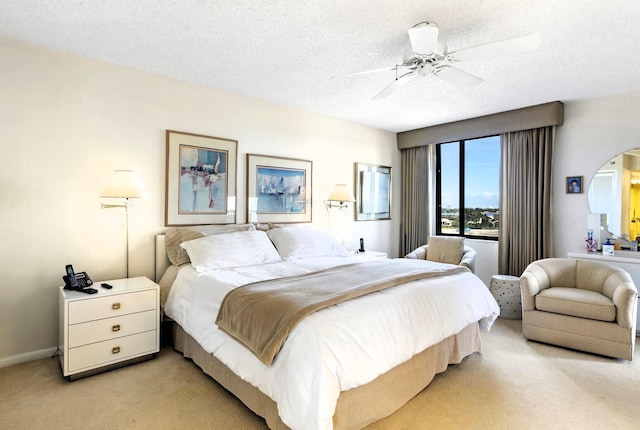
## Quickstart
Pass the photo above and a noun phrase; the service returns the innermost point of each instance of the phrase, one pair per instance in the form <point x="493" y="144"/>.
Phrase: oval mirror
<point x="615" y="192"/>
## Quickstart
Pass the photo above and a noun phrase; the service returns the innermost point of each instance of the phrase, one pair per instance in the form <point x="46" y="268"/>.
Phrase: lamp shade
<point x="341" y="193"/>
<point x="124" y="184"/>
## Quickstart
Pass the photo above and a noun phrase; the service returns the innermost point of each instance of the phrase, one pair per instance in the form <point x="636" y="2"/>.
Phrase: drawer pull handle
<point x="115" y="350"/>
<point x="115" y="327"/>
<point x="115" y="306"/>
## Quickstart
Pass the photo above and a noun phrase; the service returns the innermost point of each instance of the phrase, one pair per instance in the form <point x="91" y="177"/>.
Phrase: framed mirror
<point x="373" y="192"/>
<point x="615" y="191"/>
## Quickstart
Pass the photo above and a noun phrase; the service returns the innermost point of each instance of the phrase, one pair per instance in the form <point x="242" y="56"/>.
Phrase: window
<point x="468" y="188"/>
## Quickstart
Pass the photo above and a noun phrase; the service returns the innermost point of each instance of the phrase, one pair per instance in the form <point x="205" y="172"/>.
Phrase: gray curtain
<point x="525" y="199"/>
<point x="414" y="227"/>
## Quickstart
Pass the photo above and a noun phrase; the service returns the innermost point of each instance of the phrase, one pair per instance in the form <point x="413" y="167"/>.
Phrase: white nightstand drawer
<point x="111" y="328"/>
<point x="109" y="306"/>
<point x="112" y="351"/>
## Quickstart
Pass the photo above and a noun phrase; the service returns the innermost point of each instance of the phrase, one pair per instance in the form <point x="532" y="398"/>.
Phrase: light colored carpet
<point x="512" y="384"/>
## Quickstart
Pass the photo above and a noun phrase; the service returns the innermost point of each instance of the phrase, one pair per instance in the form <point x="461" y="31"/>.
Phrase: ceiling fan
<point x="431" y="58"/>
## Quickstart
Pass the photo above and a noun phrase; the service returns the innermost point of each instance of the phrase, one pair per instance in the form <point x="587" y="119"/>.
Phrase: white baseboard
<point x="29" y="356"/>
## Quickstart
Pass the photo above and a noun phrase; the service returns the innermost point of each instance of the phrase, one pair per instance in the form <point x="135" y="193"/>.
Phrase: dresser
<point x="627" y="260"/>
<point x="109" y="329"/>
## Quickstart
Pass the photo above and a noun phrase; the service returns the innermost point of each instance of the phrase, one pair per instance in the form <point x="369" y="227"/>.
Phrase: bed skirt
<point x="359" y="406"/>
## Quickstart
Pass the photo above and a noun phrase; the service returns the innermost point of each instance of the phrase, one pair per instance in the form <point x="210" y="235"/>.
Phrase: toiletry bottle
<point x="608" y="248"/>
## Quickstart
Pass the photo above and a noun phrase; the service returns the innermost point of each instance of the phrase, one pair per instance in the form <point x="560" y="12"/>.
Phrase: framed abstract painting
<point x="201" y="179"/>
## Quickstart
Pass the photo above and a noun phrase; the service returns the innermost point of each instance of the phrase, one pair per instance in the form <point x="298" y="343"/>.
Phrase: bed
<point x="343" y="366"/>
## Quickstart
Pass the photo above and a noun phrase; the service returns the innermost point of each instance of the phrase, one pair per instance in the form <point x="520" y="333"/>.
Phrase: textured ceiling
<point x="285" y="51"/>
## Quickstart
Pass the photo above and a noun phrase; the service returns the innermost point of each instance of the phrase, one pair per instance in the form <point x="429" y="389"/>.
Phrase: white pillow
<point x="176" y="235"/>
<point x="222" y="251"/>
<point x="304" y="242"/>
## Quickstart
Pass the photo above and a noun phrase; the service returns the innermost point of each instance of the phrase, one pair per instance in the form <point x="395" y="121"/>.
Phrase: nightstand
<point x="99" y="332"/>
<point x="371" y="254"/>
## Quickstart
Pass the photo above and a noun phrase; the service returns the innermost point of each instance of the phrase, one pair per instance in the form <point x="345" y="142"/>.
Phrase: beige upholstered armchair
<point x="446" y="249"/>
<point x="584" y="305"/>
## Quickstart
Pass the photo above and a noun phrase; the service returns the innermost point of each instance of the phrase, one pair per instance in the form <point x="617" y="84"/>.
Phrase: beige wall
<point x="593" y="132"/>
<point x="67" y="122"/>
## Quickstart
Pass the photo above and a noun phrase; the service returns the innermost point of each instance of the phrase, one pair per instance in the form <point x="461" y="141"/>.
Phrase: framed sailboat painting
<point x="278" y="189"/>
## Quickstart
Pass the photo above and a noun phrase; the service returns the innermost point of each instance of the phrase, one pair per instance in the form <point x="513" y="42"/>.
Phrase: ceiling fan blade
<point x="394" y="85"/>
<point x="384" y="69"/>
<point x="424" y="38"/>
<point x="503" y="48"/>
<point x="457" y="77"/>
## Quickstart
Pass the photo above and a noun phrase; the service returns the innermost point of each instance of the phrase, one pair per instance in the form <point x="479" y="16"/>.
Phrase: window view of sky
<point x="482" y="173"/>
<point x="481" y="189"/>
<point x="482" y="162"/>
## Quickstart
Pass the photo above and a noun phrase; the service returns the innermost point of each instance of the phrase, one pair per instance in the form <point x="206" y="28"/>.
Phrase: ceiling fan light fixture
<point x="431" y="58"/>
<point x="424" y="38"/>
<point x="424" y="68"/>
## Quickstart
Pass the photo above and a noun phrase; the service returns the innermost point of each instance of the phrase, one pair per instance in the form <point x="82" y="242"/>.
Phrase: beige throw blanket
<point x="261" y="315"/>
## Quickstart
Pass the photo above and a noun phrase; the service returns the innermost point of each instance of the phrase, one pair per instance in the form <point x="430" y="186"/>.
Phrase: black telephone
<point x="77" y="281"/>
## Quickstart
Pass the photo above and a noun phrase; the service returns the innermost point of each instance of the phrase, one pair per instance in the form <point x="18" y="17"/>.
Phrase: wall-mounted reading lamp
<point x="340" y="197"/>
<point x="124" y="184"/>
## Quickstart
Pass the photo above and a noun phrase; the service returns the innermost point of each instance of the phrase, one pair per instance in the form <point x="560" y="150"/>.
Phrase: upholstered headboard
<point x="162" y="261"/>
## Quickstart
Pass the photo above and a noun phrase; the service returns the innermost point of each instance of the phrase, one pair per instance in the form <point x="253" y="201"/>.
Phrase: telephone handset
<point x="78" y="281"/>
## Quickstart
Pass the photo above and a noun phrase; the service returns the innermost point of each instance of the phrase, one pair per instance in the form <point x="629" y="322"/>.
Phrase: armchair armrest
<point x="532" y="281"/>
<point x="419" y="253"/>
<point x="620" y="288"/>
<point x="625" y="299"/>
<point x="469" y="258"/>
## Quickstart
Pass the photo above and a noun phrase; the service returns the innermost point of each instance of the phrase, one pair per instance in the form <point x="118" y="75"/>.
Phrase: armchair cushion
<point x="577" y="303"/>
<point x="445" y="249"/>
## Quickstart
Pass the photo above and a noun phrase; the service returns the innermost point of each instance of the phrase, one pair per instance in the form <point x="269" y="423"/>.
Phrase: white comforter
<point x="338" y="348"/>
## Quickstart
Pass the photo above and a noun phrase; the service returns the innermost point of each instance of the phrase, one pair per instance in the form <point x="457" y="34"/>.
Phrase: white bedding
<point x="338" y="348"/>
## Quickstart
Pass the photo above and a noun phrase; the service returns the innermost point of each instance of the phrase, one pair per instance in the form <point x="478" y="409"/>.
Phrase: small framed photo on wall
<point x="574" y="184"/>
